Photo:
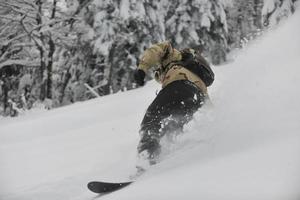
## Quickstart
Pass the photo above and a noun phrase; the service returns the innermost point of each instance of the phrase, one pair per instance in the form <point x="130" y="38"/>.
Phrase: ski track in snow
<point x="244" y="146"/>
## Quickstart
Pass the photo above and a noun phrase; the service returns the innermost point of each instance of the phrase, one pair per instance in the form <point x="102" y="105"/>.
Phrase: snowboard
<point x="106" y="187"/>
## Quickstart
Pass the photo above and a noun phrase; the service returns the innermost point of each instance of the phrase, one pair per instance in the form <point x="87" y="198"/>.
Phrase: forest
<point x="57" y="52"/>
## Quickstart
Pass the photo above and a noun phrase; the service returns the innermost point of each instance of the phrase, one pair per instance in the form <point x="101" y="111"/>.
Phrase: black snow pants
<point x="172" y="108"/>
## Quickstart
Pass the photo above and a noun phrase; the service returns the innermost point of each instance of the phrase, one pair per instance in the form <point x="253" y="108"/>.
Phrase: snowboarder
<point x="185" y="76"/>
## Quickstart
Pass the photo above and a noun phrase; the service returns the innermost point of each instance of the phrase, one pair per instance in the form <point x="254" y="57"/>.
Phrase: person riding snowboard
<point x="185" y="76"/>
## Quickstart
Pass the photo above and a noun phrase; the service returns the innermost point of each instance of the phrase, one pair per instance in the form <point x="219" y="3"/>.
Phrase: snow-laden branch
<point x="15" y="47"/>
<point x="29" y="3"/>
<point x="29" y="34"/>
<point x="3" y="55"/>
<point x="51" y="23"/>
<point x="4" y="43"/>
<point x="4" y="29"/>
<point x="22" y="62"/>
<point x="11" y="18"/>
<point x="91" y="90"/>
<point x="18" y="9"/>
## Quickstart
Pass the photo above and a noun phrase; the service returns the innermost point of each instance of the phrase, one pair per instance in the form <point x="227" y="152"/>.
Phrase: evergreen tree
<point x="199" y="24"/>
<point x="244" y="20"/>
<point x="276" y="10"/>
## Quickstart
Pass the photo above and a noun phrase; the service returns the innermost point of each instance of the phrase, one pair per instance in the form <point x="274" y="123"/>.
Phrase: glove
<point x="139" y="76"/>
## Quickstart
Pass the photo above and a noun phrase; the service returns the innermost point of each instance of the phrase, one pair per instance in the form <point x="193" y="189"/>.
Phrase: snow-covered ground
<point x="245" y="146"/>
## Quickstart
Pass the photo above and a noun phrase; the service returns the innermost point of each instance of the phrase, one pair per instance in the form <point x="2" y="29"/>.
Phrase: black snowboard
<point x="106" y="187"/>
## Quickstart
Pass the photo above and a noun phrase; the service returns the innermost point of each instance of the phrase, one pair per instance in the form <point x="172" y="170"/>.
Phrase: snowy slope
<point x="245" y="146"/>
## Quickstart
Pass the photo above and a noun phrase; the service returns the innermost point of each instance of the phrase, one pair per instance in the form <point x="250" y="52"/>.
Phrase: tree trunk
<point x="258" y="16"/>
<point x="49" y="68"/>
<point x="110" y="74"/>
<point x="39" y="15"/>
<point x="41" y="76"/>
<point x="67" y="77"/>
<point x="5" y="94"/>
<point x="50" y="56"/>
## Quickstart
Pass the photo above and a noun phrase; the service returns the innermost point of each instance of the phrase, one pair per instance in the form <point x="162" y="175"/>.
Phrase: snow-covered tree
<point x="275" y="10"/>
<point x="34" y="31"/>
<point x="200" y="24"/>
<point x="123" y="31"/>
<point x="244" y="19"/>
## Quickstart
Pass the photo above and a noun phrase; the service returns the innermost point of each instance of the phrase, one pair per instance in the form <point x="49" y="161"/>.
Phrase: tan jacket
<point x="159" y="57"/>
